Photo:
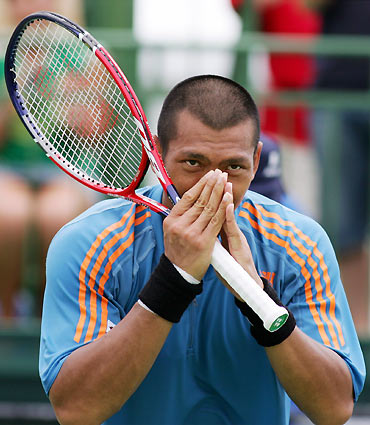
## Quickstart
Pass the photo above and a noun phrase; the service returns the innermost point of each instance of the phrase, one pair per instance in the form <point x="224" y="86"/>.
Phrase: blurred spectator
<point x="287" y="71"/>
<point x="33" y="191"/>
<point x="342" y="140"/>
<point x="268" y="179"/>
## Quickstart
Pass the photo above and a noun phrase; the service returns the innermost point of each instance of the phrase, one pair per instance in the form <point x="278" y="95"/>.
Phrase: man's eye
<point x="192" y="162"/>
<point x="233" y="167"/>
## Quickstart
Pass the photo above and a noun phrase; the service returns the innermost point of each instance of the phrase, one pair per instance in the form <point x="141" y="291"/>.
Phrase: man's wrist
<point x="167" y="293"/>
<point x="258" y="331"/>
<point x="188" y="277"/>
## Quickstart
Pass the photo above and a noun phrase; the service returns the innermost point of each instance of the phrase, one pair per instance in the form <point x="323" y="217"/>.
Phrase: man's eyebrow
<point x="235" y="160"/>
<point x="200" y="157"/>
<point x="194" y="155"/>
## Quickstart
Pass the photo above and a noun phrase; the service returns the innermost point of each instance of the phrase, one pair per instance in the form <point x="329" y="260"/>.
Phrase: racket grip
<point x="272" y="315"/>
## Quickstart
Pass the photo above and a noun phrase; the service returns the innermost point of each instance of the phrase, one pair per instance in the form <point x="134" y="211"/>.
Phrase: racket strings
<point x="79" y="108"/>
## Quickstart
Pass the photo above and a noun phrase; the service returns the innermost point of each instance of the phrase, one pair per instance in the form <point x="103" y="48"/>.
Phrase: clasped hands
<point x="191" y="229"/>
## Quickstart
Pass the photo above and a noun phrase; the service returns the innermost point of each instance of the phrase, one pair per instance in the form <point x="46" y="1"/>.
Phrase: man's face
<point x="198" y="149"/>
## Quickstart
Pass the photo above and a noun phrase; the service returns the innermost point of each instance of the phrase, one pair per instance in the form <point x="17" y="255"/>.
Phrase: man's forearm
<point x="97" y="379"/>
<point x="315" y="377"/>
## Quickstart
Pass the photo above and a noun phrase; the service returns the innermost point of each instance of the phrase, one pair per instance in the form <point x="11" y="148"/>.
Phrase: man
<point x="108" y="342"/>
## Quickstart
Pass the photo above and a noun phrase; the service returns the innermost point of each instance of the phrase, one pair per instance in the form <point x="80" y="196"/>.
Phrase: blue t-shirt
<point x="210" y="369"/>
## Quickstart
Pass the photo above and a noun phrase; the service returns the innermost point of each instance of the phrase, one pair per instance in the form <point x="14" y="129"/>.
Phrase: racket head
<point x="77" y="104"/>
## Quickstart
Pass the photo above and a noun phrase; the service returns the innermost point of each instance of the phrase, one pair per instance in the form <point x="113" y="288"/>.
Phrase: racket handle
<point x="272" y="315"/>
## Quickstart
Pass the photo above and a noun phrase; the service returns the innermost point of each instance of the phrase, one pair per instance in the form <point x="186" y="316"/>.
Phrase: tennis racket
<point x="80" y="109"/>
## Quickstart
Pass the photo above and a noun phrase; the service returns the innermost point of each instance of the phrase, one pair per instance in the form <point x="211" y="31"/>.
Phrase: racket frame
<point x="149" y="153"/>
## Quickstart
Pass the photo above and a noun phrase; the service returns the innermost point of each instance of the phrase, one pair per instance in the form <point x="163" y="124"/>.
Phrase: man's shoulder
<point x="266" y="215"/>
<point x="106" y="218"/>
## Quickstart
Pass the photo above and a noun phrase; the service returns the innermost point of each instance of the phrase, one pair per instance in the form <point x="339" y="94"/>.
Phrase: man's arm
<point x="98" y="378"/>
<point x="316" y="378"/>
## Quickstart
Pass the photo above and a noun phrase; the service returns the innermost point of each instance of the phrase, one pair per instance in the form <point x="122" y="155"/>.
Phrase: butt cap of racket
<point x="276" y="320"/>
<point x="272" y="315"/>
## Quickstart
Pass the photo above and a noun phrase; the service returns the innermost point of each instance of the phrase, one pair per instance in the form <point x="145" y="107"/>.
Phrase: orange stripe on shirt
<point x="141" y="219"/>
<point x="108" y="267"/>
<point x="96" y="268"/>
<point x="311" y="262"/>
<point x="83" y="270"/>
<point x="284" y="244"/>
<point x="322" y="263"/>
<point x="94" y="273"/>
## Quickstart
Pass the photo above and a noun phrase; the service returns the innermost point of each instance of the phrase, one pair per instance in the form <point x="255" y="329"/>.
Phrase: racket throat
<point x="172" y="194"/>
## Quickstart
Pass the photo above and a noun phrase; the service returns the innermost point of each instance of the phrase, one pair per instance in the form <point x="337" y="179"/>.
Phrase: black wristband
<point x="167" y="293"/>
<point x="258" y="331"/>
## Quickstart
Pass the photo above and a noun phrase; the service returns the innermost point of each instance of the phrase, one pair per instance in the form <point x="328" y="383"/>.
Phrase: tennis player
<point x="138" y="328"/>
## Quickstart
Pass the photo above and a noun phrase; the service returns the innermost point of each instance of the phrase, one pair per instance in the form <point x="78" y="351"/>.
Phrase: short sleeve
<point x="80" y="301"/>
<point x="321" y="308"/>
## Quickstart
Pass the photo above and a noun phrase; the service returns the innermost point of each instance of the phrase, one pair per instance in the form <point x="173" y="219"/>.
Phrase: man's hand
<point x="191" y="229"/>
<point x="236" y="243"/>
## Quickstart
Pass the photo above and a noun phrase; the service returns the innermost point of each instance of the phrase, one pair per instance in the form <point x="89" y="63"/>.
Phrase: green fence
<point x="22" y="398"/>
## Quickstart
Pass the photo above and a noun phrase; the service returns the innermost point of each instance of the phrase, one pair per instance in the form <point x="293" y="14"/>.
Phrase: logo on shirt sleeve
<point x="110" y="326"/>
<point x="269" y="276"/>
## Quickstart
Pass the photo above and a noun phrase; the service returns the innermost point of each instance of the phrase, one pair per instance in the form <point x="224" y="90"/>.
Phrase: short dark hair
<point x="216" y="101"/>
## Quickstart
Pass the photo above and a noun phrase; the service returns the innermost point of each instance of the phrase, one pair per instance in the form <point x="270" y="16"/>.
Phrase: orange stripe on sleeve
<point x="108" y="267"/>
<point x="112" y="258"/>
<point x="322" y="263"/>
<point x="94" y="273"/>
<point x="285" y="244"/>
<point x="141" y="219"/>
<point x="83" y="270"/>
<point x="104" y="278"/>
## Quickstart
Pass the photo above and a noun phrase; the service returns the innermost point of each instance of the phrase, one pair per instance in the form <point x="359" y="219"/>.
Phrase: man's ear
<point x="157" y="144"/>
<point x="257" y="157"/>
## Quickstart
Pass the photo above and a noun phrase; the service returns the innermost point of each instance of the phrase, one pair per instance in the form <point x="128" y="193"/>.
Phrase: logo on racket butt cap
<point x="279" y="322"/>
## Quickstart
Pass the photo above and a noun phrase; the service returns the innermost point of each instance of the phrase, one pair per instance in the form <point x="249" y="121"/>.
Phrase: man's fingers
<point x="207" y="193"/>
<point x="190" y="197"/>
<point x="217" y="220"/>
<point x="203" y="199"/>
<point x="232" y="230"/>
<point x="188" y="239"/>
<point x="206" y="209"/>
<point x="230" y="222"/>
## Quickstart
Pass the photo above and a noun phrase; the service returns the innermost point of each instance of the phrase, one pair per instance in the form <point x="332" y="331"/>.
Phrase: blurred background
<point x="306" y="62"/>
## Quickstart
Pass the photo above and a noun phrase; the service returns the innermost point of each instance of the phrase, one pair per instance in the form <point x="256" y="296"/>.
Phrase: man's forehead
<point x="229" y="152"/>
<point x="187" y="123"/>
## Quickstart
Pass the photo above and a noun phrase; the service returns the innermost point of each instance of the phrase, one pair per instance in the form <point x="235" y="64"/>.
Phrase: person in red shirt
<point x="288" y="71"/>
